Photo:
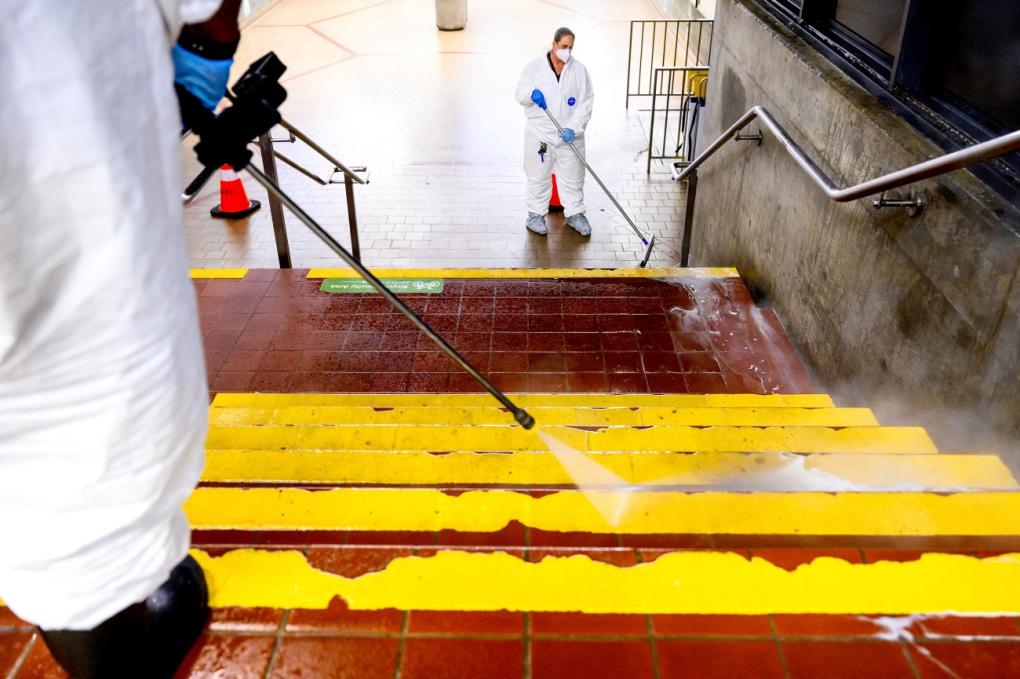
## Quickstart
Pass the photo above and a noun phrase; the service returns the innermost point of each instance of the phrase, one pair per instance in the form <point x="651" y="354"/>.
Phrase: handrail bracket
<point x="913" y="203"/>
<point x="755" y="136"/>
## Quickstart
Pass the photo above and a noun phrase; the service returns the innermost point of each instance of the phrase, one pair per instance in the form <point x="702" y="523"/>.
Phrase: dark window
<point x="973" y="61"/>
<point x="950" y="68"/>
<point x="878" y="23"/>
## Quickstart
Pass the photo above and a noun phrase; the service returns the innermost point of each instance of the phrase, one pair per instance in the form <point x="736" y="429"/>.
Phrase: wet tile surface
<point x="39" y="664"/>
<point x="503" y="644"/>
<point x="563" y="659"/>
<point x="974" y="659"/>
<point x="719" y="659"/>
<point x="337" y="657"/>
<point x="616" y="336"/>
<point x="839" y="659"/>
<point x="12" y="646"/>
<point x="481" y="658"/>
<point x="239" y="656"/>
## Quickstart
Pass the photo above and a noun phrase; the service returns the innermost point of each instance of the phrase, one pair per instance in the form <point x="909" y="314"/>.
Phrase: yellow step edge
<point x="535" y="274"/>
<point x="277" y="400"/>
<point x="779" y="471"/>
<point x="648" y="415"/>
<point x="218" y="273"/>
<point x="436" y="438"/>
<point x="678" y="582"/>
<point x="638" y="512"/>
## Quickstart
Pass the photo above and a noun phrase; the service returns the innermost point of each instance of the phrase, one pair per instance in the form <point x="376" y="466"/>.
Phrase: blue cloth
<point x="538" y="98"/>
<point x="205" y="78"/>
<point x="567" y="135"/>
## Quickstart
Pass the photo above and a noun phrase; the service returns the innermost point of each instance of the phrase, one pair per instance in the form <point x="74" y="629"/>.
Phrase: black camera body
<point x="255" y="101"/>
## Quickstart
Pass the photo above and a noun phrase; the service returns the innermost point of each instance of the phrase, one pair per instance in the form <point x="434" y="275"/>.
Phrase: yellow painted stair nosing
<point x="637" y="512"/>
<point x="267" y="400"/>
<point x="683" y="582"/>
<point x="544" y="415"/>
<point x="412" y="468"/>
<point x="903" y="440"/>
<point x="218" y="273"/>
<point x="534" y="274"/>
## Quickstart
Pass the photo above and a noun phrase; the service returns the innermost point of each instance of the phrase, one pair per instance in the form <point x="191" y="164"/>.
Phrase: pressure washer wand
<point x="522" y="416"/>
<point x="647" y="242"/>
<point x="257" y="96"/>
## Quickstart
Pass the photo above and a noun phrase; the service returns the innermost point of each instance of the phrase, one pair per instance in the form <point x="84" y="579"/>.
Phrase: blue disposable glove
<point x="538" y="98"/>
<point x="204" y="78"/>
<point x="567" y="135"/>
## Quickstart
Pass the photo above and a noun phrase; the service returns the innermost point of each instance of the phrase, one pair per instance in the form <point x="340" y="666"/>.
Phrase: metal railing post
<point x="640" y="82"/>
<point x="352" y="217"/>
<point x="651" y="124"/>
<point x="275" y="207"/>
<point x="692" y="195"/>
<point x="630" y="58"/>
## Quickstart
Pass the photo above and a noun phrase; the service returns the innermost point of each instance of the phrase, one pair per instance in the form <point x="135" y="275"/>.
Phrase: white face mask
<point x="563" y="55"/>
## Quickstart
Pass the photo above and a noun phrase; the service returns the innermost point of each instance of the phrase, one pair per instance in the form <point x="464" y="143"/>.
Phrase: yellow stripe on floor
<point x="903" y="440"/>
<point x="678" y="582"/>
<point x="649" y="415"/>
<point x="638" y="512"/>
<point x="274" y="400"/>
<point x="536" y="274"/>
<point x="782" y="472"/>
<point x="217" y="273"/>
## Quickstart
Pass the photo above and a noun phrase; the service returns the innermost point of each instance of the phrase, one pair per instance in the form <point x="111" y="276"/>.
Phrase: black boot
<point x="148" y="639"/>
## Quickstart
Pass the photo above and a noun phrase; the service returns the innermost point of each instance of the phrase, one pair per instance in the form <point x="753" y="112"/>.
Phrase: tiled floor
<point x="432" y="115"/>
<point x="275" y="331"/>
<point x="341" y="643"/>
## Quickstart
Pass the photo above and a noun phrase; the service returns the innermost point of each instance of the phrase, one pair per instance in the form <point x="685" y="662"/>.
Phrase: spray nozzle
<point x="524" y="418"/>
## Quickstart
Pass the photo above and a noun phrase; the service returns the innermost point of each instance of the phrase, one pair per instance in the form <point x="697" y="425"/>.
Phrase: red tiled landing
<point x="275" y="331"/>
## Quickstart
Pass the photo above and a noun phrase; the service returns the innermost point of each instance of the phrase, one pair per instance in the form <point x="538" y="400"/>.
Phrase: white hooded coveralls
<point x="570" y="100"/>
<point x="103" y="392"/>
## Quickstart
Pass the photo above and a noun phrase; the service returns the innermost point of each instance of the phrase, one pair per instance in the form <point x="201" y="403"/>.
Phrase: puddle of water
<point x="740" y="335"/>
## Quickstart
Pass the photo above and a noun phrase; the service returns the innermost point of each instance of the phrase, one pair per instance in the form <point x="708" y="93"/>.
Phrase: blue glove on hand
<point x="538" y="98"/>
<point x="567" y="135"/>
<point x="205" y="78"/>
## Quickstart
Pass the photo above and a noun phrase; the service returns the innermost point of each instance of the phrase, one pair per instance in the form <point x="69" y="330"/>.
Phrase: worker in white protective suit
<point x="557" y="82"/>
<point x="103" y="391"/>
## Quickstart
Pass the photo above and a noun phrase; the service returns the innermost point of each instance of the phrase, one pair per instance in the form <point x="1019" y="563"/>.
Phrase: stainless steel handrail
<point x="348" y="172"/>
<point x="992" y="148"/>
<point x="1000" y="146"/>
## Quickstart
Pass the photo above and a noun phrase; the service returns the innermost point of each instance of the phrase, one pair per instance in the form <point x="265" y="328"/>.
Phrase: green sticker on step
<point x="397" y="285"/>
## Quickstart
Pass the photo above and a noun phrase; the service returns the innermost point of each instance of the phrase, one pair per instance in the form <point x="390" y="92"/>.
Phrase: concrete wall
<point x="923" y="311"/>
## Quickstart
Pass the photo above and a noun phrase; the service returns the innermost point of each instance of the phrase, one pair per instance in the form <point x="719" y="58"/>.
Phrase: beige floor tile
<point x="433" y="117"/>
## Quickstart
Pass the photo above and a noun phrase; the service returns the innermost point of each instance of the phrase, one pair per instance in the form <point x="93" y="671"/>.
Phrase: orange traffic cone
<point x="554" y="201"/>
<point x="234" y="203"/>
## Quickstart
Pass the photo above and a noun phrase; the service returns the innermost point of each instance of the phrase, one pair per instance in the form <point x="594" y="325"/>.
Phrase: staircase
<point x="684" y="498"/>
<point x="629" y="471"/>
